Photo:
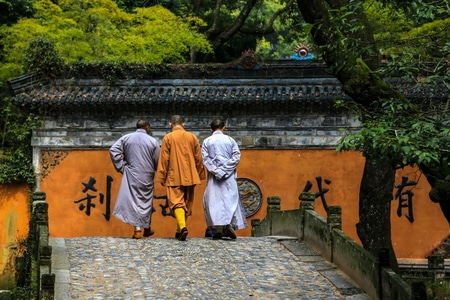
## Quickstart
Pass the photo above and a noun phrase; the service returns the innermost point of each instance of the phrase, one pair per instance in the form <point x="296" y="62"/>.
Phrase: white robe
<point x="135" y="155"/>
<point x="221" y="201"/>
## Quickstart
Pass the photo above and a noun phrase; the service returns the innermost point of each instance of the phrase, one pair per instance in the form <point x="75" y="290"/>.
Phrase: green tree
<point x="342" y="31"/>
<point x="98" y="31"/>
<point x="15" y="150"/>
<point x="175" y="6"/>
<point x="235" y="26"/>
<point x="13" y="10"/>
<point x="81" y="31"/>
<point x="422" y="11"/>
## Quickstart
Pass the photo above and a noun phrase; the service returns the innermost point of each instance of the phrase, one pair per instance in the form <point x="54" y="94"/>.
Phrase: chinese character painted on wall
<point x="86" y="203"/>
<point x="405" y="202"/>
<point x="322" y="191"/>
<point x="165" y="210"/>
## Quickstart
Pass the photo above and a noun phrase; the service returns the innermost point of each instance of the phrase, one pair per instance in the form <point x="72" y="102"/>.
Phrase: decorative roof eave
<point x="241" y="89"/>
<point x="164" y="91"/>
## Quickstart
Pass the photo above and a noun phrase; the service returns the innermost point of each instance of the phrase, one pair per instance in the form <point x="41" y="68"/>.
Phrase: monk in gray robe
<point x="135" y="155"/>
<point x="221" y="201"/>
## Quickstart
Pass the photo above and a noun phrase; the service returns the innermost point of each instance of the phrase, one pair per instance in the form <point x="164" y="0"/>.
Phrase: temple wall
<point x="14" y="218"/>
<point x="280" y="154"/>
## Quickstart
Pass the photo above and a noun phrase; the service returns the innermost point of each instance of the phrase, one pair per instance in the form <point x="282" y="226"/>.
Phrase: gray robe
<point x="135" y="155"/>
<point x="221" y="201"/>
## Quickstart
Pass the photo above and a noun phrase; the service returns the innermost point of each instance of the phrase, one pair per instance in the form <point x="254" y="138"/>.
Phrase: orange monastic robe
<point x="180" y="164"/>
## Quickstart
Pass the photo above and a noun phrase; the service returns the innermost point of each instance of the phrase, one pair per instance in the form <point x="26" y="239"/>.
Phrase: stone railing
<point x="43" y="280"/>
<point x="325" y="235"/>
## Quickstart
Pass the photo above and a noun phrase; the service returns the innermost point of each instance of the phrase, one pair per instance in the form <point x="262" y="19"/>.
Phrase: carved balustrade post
<point x="334" y="217"/>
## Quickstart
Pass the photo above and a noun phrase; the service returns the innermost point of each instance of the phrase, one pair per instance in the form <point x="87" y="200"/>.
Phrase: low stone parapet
<point x="370" y="273"/>
<point x="41" y="266"/>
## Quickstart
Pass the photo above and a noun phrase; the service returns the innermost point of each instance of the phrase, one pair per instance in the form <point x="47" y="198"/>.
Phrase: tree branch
<point x="239" y="22"/>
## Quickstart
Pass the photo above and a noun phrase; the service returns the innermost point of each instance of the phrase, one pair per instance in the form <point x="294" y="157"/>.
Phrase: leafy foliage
<point x="422" y="11"/>
<point x="409" y="46"/>
<point x="399" y="131"/>
<point x="395" y="135"/>
<point x="235" y="26"/>
<point x="282" y="34"/>
<point x="41" y="56"/>
<point x="13" y="10"/>
<point x="72" y="31"/>
<point x="175" y="6"/>
<point x="98" y="31"/>
<point x="15" y="149"/>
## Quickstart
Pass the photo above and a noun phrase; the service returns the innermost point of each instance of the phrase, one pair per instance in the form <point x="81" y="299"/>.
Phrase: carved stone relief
<point x="50" y="159"/>
<point x="251" y="196"/>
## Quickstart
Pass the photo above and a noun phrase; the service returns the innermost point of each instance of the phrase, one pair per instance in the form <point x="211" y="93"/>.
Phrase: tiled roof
<point x="247" y="89"/>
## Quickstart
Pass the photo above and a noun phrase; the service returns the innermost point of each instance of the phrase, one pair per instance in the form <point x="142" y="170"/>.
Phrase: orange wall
<point x="14" y="219"/>
<point x="282" y="173"/>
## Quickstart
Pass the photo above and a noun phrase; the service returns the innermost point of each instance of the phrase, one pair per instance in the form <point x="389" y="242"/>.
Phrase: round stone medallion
<point x="251" y="196"/>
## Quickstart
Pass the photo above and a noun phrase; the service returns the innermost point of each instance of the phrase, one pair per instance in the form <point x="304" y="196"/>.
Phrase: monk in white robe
<point x="221" y="201"/>
<point x="135" y="155"/>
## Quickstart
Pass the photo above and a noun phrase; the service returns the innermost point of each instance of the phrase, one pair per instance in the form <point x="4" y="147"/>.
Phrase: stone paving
<point x="198" y="268"/>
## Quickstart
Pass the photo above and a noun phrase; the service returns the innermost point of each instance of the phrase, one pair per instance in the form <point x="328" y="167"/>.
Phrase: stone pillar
<point x="306" y="203"/>
<point x="264" y="227"/>
<point x="307" y="200"/>
<point x="43" y="251"/>
<point x="40" y="209"/>
<point x="39" y="196"/>
<point x="334" y="220"/>
<point x="334" y="217"/>
<point x="273" y="204"/>
<point x="47" y="286"/>
<point x="40" y="225"/>
<point x="45" y="255"/>
<point x="255" y="223"/>
<point x="436" y="267"/>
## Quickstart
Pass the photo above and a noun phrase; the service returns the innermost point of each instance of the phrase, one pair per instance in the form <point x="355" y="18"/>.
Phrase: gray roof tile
<point x="290" y="87"/>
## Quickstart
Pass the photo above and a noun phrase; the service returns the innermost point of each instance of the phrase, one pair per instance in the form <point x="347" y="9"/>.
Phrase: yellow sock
<point x="180" y="217"/>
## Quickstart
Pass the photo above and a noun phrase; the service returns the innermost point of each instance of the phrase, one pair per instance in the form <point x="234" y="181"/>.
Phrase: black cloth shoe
<point x="217" y="236"/>
<point x="224" y="233"/>
<point x="177" y="235"/>
<point x="183" y="234"/>
<point x="210" y="230"/>
<point x="148" y="232"/>
<point x="230" y="232"/>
